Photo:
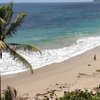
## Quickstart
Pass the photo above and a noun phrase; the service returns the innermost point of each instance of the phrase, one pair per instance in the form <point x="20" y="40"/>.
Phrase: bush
<point x="80" y="95"/>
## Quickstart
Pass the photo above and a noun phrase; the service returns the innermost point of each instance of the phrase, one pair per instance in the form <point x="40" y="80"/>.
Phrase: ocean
<point x="60" y="30"/>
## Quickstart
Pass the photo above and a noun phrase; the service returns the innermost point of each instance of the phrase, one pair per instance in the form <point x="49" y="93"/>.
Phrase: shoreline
<point x="72" y="71"/>
<point x="49" y="56"/>
<point x="14" y="73"/>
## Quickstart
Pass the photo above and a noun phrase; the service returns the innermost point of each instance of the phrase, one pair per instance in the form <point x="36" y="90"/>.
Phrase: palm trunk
<point x="0" y="75"/>
<point x="0" y="54"/>
<point x="0" y="85"/>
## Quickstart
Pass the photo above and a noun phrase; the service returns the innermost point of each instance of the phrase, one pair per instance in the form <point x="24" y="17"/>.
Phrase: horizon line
<point x="51" y="2"/>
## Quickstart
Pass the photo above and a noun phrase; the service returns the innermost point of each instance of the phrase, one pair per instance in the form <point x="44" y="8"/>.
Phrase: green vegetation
<point x="12" y="94"/>
<point x="81" y="95"/>
<point x="9" y="94"/>
<point x="77" y="95"/>
<point x="73" y="95"/>
<point x="8" y="27"/>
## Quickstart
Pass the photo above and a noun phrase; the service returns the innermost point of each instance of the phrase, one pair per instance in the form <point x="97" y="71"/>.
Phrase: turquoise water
<point x="47" y="23"/>
<point x="61" y="30"/>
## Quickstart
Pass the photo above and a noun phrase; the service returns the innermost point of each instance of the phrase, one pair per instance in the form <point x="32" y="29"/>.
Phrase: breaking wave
<point x="10" y="66"/>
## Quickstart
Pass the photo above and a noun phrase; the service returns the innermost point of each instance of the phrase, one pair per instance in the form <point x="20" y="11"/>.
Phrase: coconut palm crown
<point x="8" y="27"/>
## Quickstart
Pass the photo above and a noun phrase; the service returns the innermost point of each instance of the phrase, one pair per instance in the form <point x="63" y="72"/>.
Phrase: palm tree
<point x="9" y="94"/>
<point x="8" y="27"/>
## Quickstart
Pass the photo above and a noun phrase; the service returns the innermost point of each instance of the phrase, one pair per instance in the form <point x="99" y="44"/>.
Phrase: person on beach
<point x="95" y="58"/>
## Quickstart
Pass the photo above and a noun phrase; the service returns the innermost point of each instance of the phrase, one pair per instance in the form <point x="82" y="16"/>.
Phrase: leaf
<point x="2" y="45"/>
<point x="20" y="58"/>
<point x="25" y="47"/>
<point x="15" y="24"/>
<point x="2" y="11"/>
<point x="2" y="24"/>
<point x="9" y="12"/>
<point x="9" y="93"/>
<point x="2" y="21"/>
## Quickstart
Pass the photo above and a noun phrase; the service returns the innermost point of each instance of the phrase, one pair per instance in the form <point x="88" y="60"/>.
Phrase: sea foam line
<point x="9" y="66"/>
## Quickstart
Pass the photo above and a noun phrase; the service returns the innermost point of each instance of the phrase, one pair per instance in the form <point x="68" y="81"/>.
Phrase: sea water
<point x="60" y="30"/>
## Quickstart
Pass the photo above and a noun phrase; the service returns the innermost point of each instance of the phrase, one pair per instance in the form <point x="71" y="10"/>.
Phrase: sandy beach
<point x="80" y="72"/>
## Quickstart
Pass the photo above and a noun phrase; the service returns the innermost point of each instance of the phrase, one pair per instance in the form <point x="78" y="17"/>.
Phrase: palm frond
<point x="20" y="58"/>
<point x="15" y="24"/>
<point x="25" y="47"/>
<point x="2" y="23"/>
<point x="8" y="17"/>
<point x="9" y="94"/>
<point x="2" y="11"/>
<point x="6" y="12"/>
<point x="2" y="45"/>
<point x="9" y="12"/>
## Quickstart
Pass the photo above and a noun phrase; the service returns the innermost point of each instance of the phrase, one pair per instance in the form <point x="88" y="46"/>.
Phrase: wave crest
<point x="9" y="66"/>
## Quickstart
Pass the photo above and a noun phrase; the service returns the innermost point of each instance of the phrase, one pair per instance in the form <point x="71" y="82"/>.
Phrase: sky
<point x="5" y="1"/>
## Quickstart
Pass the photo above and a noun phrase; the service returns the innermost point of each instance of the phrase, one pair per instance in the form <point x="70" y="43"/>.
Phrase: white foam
<point x="9" y="66"/>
